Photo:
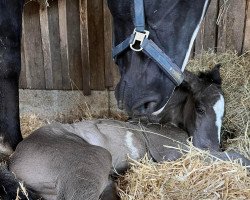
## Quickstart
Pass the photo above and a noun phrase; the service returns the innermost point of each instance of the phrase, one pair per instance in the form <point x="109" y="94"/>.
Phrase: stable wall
<point x="67" y="46"/>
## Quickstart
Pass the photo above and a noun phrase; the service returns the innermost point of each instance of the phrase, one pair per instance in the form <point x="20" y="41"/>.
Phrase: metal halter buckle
<point x="138" y="40"/>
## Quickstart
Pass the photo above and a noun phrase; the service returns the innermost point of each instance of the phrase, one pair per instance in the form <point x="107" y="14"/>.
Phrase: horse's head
<point x="144" y="88"/>
<point x="204" y="108"/>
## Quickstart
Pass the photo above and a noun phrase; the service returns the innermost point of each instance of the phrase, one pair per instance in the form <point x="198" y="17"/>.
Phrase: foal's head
<point x="173" y="24"/>
<point x="204" y="108"/>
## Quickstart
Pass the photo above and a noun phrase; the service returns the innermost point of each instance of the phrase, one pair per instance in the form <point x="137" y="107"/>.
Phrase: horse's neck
<point x="173" y="112"/>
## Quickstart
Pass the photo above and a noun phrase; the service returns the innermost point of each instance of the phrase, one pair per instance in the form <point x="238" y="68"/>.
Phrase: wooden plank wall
<point x="67" y="46"/>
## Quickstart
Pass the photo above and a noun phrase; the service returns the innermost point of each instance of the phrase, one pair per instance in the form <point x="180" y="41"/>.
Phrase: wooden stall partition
<point x="207" y="37"/>
<point x="111" y="70"/>
<point x="232" y="26"/>
<point x="33" y="47"/>
<point x="246" y="46"/>
<point x="46" y="48"/>
<point x="23" y="76"/>
<point x="85" y="47"/>
<point x="55" y="50"/>
<point x="96" y="44"/>
<point x="57" y="41"/>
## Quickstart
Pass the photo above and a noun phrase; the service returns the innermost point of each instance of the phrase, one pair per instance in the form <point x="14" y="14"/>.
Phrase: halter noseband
<point x="139" y="41"/>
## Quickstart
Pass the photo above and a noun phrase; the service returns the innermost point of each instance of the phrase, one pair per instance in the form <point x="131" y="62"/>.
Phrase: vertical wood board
<point x="64" y="43"/>
<point x="231" y="29"/>
<point x="246" y="46"/>
<point x="54" y="37"/>
<point x="33" y="46"/>
<point x="207" y="37"/>
<point x="74" y="44"/>
<point x="96" y="44"/>
<point x="85" y="47"/>
<point x="23" y="77"/>
<point x="46" y="48"/>
<point x="109" y="63"/>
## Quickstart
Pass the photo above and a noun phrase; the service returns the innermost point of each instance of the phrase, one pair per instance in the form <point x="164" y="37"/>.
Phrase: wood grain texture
<point x="96" y="44"/>
<point x="231" y="29"/>
<point x="33" y="47"/>
<point x="74" y="44"/>
<point x="46" y="48"/>
<point x="207" y="37"/>
<point x="23" y="78"/>
<point x="246" y="46"/>
<point x="54" y="37"/>
<point x="109" y="63"/>
<point x="64" y="43"/>
<point x="112" y="74"/>
<point x="85" y="47"/>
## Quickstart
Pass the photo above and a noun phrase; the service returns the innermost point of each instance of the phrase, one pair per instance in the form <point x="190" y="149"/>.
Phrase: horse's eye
<point x="200" y="110"/>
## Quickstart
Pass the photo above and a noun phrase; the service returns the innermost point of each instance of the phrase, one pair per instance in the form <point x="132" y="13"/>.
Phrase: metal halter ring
<point x="139" y="37"/>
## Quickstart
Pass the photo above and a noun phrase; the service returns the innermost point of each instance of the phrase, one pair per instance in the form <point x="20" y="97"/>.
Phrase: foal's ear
<point x="191" y="82"/>
<point x="212" y="76"/>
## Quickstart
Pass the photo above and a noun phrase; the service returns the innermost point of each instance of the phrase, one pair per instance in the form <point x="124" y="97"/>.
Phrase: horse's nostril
<point x="150" y="105"/>
<point x="145" y="108"/>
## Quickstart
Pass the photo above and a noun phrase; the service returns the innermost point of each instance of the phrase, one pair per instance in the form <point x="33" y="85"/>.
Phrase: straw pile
<point x="30" y="123"/>
<point x="191" y="177"/>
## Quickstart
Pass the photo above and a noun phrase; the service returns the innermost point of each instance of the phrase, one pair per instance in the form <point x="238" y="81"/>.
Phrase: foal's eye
<point x="200" y="110"/>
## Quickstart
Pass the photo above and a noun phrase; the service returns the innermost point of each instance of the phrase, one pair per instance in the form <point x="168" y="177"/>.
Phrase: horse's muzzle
<point x="145" y="107"/>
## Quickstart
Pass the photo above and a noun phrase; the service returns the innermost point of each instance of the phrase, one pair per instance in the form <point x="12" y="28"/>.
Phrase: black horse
<point x="10" y="66"/>
<point x="144" y="88"/>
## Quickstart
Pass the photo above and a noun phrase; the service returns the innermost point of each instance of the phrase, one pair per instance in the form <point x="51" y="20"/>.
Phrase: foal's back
<point x="60" y="165"/>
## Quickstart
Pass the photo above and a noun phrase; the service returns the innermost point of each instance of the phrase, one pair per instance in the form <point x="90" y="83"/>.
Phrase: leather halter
<point x="138" y="41"/>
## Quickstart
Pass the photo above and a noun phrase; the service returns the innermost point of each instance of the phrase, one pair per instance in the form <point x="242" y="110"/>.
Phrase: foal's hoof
<point x="5" y="150"/>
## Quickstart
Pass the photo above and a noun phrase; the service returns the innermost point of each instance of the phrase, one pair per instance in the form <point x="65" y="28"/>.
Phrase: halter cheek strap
<point x="138" y="41"/>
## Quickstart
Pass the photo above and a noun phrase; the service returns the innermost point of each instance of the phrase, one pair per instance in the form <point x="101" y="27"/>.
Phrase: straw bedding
<point x="195" y="175"/>
<point x="190" y="177"/>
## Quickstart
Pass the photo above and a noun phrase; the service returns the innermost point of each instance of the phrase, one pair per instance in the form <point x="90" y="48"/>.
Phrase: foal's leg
<point x="10" y="65"/>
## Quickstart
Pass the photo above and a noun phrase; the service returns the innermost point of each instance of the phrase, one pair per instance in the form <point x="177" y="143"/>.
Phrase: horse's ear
<point x="212" y="76"/>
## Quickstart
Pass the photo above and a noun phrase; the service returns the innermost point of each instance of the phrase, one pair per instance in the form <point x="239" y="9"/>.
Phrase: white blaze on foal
<point x="219" y="111"/>
<point x="129" y="141"/>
